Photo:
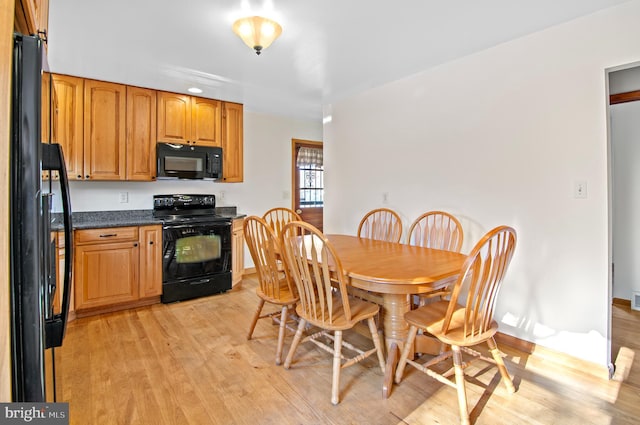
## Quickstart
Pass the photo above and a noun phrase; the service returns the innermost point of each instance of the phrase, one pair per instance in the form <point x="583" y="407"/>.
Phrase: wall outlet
<point x="124" y="197"/>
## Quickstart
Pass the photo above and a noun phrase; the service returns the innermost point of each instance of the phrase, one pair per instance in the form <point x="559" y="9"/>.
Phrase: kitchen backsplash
<point x="113" y="196"/>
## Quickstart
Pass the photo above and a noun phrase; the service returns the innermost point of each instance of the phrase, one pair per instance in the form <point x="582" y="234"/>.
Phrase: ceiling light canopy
<point x="257" y="32"/>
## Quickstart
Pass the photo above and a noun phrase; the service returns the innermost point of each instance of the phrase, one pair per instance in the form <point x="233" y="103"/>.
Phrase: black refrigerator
<point x="36" y="329"/>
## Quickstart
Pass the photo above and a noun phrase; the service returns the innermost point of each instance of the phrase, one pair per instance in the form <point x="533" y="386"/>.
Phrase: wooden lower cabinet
<point x="150" y="261"/>
<point x="117" y="268"/>
<point x="60" y="258"/>
<point x="237" y="251"/>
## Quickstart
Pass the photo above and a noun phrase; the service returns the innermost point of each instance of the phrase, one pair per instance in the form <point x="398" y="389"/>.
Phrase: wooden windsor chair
<point x="275" y="286"/>
<point x="381" y="224"/>
<point x="439" y="230"/>
<point x="465" y="320"/>
<point x="324" y="302"/>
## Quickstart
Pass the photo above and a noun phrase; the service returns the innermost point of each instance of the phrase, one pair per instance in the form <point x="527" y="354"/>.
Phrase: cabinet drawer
<point x="106" y="235"/>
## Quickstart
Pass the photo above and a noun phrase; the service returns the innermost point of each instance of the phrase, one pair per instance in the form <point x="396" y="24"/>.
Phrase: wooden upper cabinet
<point x="67" y="96"/>
<point x="104" y="130"/>
<point x="205" y="121"/>
<point x="188" y="120"/>
<point x="232" y="142"/>
<point x="141" y="134"/>
<point x="45" y="118"/>
<point x="174" y="117"/>
<point x="32" y="17"/>
<point x="46" y="108"/>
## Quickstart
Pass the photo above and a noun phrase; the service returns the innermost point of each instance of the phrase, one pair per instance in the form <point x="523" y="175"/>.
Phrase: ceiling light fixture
<point x="257" y="32"/>
<point x="194" y="90"/>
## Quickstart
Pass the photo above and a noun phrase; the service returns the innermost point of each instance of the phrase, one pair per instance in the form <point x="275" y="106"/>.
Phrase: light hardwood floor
<point x="190" y="363"/>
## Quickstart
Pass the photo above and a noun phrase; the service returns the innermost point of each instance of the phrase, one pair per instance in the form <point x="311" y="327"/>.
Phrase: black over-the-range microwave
<point x="177" y="161"/>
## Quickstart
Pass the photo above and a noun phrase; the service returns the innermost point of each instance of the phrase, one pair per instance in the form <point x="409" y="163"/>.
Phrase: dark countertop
<point x="122" y="218"/>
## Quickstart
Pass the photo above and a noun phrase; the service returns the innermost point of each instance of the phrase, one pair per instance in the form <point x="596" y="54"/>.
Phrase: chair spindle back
<point x="381" y="224"/>
<point x="436" y="229"/>
<point x="317" y="272"/>
<point x="484" y="270"/>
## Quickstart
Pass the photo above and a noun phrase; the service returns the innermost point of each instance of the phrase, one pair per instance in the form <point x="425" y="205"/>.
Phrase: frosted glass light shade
<point x="257" y="32"/>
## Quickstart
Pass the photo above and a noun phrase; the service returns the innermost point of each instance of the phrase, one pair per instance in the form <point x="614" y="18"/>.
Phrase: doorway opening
<point x="624" y="190"/>
<point x="307" y="171"/>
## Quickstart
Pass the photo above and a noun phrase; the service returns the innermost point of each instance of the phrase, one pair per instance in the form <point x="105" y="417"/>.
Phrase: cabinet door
<point x="205" y="121"/>
<point x="105" y="274"/>
<point x="104" y="130"/>
<point x="45" y="108"/>
<point x="67" y="121"/>
<point x="232" y="162"/>
<point x="141" y="134"/>
<point x="60" y="258"/>
<point x="150" y="261"/>
<point x="237" y="252"/>
<point x="42" y="18"/>
<point x="174" y="117"/>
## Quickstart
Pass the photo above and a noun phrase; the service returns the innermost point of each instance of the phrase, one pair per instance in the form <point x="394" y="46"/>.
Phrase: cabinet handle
<point x="135" y="244"/>
<point x="43" y="33"/>
<point x="108" y="235"/>
<point x="150" y="242"/>
<point x="87" y="176"/>
<point x="79" y="176"/>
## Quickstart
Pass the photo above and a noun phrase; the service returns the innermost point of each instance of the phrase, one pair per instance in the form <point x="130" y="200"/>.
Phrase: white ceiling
<point x="328" y="49"/>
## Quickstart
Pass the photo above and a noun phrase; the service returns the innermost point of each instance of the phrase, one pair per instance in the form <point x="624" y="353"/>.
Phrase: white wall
<point x="267" y="174"/>
<point x="500" y="137"/>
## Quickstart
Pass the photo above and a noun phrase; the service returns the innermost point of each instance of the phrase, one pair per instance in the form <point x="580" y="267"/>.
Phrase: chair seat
<point x="360" y="310"/>
<point x="286" y="295"/>
<point x="431" y="317"/>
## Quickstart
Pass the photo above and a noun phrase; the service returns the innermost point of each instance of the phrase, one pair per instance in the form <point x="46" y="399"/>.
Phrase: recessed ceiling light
<point x="194" y="90"/>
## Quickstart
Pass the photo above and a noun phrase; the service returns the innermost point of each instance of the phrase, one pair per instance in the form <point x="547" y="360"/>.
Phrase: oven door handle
<point x="192" y="225"/>
<point x="199" y="282"/>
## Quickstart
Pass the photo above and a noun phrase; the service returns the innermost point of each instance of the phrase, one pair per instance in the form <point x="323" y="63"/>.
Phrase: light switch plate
<point x="580" y="190"/>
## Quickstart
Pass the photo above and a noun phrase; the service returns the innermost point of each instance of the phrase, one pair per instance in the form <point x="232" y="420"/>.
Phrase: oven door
<point x="195" y="250"/>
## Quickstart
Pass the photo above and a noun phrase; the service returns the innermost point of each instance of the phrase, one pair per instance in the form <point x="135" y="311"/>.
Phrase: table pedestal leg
<point x="395" y="333"/>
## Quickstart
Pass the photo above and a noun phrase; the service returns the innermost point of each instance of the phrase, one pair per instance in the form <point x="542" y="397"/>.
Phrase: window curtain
<point x="309" y="157"/>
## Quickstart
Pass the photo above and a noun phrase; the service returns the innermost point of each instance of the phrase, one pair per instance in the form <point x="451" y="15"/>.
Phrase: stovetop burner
<point x="186" y="208"/>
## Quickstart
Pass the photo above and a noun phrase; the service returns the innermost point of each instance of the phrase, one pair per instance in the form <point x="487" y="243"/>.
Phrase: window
<point x="311" y="177"/>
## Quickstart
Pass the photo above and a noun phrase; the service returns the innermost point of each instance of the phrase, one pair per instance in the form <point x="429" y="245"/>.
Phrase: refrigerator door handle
<point x="53" y="159"/>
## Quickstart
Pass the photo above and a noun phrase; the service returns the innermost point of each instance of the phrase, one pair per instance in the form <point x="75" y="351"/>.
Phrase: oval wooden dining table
<point x="396" y="272"/>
